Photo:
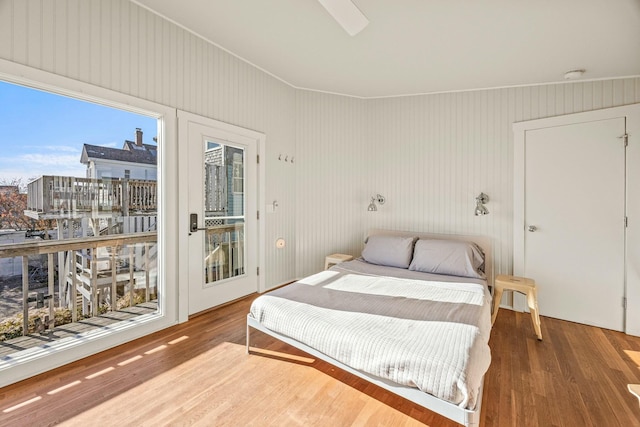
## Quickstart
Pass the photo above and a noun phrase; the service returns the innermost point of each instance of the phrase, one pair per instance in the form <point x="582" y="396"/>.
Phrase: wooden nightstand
<point x="334" y="259"/>
<point x="522" y="285"/>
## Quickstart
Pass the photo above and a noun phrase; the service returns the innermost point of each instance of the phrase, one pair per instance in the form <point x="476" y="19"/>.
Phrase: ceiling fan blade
<point x="346" y="14"/>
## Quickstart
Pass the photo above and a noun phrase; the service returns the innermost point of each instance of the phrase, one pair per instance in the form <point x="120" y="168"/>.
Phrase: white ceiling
<point x="420" y="46"/>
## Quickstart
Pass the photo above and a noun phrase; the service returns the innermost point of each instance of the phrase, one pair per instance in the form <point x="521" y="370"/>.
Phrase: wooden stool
<point x="522" y="285"/>
<point x="635" y="390"/>
<point x="334" y="259"/>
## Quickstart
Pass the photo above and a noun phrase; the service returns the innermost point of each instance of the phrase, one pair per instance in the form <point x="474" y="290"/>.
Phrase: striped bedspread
<point x="432" y="335"/>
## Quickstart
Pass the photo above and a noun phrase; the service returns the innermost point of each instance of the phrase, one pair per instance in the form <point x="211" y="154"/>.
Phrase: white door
<point x="222" y="210"/>
<point x="574" y="221"/>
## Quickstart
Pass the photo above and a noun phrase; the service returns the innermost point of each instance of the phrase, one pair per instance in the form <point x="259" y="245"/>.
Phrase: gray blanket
<point x="432" y="335"/>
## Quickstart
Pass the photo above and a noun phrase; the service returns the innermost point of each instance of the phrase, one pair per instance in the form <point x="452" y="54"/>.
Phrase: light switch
<point x="272" y="207"/>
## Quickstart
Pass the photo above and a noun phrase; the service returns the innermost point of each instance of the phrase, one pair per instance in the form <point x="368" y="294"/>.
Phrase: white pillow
<point x="392" y="251"/>
<point x="450" y="257"/>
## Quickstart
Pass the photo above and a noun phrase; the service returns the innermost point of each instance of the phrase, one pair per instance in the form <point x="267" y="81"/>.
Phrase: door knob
<point x="193" y="224"/>
<point x="532" y="228"/>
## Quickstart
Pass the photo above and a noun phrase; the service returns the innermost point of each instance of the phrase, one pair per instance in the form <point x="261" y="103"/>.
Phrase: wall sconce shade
<point x="481" y="209"/>
<point x="372" y="206"/>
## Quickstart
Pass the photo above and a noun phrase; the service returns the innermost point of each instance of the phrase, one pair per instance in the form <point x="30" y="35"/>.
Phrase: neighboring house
<point x="55" y="197"/>
<point x="135" y="160"/>
<point x="11" y="266"/>
<point x="224" y="180"/>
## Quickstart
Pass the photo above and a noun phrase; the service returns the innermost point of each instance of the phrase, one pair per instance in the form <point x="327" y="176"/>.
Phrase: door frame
<point x="183" y="118"/>
<point x="631" y="113"/>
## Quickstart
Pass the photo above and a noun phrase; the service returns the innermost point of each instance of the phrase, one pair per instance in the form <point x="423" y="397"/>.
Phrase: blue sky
<point x="43" y="133"/>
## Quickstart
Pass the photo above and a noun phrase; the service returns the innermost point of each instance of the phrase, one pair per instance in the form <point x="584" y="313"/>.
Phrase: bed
<point x="411" y="315"/>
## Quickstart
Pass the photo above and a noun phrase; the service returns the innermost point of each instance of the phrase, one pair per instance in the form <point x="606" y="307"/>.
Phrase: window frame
<point x="168" y="239"/>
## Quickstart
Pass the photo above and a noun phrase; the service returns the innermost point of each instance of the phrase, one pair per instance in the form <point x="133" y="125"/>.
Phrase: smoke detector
<point x="573" y="74"/>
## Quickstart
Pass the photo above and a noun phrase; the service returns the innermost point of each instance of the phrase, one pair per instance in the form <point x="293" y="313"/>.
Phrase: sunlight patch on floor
<point x="64" y="387"/>
<point x="20" y="405"/>
<point x="129" y="360"/>
<point x="177" y="340"/>
<point x="158" y="348"/>
<point x="97" y="374"/>
<point x="94" y="375"/>
<point x="634" y="356"/>
<point x="635" y="390"/>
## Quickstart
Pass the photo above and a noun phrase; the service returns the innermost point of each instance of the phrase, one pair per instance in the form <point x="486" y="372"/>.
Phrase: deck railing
<point x="67" y="196"/>
<point x="224" y="249"/>
<point x="92" y="268"/>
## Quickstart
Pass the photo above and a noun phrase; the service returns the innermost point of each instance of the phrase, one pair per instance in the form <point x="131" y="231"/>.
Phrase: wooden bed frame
<point x="466" y="417"/>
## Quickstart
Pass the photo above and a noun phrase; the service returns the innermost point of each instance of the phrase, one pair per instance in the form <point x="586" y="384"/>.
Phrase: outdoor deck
<point x="12" y="348"/>
<point x="80" y="278"/>
<point x="55" y="197"/>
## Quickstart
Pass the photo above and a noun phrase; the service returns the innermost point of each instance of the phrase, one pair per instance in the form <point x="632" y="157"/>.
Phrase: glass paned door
<point x="224" y="212"/>
<point x="222" y="204"/>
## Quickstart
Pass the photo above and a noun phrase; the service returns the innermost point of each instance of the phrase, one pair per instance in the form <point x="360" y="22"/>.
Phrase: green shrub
<point x="11" y="327"/>
<point x="125" y="300"/>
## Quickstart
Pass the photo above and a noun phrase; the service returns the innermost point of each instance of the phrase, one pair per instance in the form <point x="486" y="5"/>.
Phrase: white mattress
<point x="432" y="335"/>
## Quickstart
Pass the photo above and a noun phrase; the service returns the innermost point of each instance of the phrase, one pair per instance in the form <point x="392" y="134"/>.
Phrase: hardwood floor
<point x="198" y="373"/>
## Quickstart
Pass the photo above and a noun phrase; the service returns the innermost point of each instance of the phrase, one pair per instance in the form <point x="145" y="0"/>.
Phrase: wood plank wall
<point x="118" y="45"/>
<point x="430" y="155"/>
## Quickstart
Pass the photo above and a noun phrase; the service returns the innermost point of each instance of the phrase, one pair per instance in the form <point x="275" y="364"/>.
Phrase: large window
<point x="79" y="220"/>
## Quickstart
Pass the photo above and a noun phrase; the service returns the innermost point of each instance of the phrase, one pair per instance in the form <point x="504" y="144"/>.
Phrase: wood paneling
<point x="117" y="45"/>
<point x="430" y="155"/>
<point x="198" y="373"/>
<point x="333" y="185"/>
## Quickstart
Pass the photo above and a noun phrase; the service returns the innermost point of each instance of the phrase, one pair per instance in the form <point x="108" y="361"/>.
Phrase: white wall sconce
<point x="481" y="209"/>
<point x="378" y="198"/>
